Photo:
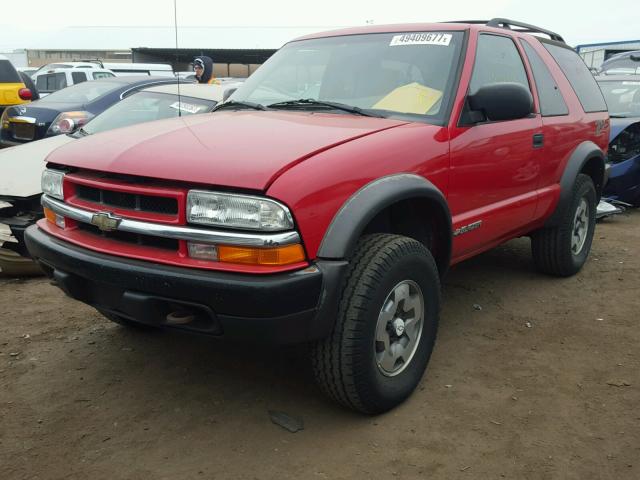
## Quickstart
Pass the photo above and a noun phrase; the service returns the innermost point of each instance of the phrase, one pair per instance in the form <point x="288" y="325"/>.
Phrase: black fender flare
<point x="348" y="224"/>
<point x="583" y="153"/>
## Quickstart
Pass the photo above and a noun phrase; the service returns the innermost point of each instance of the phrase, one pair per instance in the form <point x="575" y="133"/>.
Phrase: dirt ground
<point x="542" y="382"/>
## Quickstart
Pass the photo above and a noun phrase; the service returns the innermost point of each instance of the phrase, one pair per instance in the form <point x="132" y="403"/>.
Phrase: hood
<point x="243" y="149"/>
<point x="619" y="124"/>
<point x="21" y="166"/>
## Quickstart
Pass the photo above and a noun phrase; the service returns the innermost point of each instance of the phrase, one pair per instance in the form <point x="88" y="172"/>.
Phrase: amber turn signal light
<point x="53" y="217"/>
<point x="261" y="256"/>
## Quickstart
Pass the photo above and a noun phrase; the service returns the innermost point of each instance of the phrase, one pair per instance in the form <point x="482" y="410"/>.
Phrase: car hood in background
<point x="21" y="166"/>
<point x="243" y="149"/>
<point x="619" y="124"/>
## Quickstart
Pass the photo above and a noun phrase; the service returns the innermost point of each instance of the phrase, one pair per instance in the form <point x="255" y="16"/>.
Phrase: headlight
<point x="51" y="183"/>
<point x="237" y="211"/>
<point x="4" y="119"/>
<point x="67" y="122"/>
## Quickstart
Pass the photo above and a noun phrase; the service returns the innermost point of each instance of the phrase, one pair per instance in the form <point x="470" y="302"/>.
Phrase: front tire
<point x="563" y="250"/>
<point x="386" y="326"/>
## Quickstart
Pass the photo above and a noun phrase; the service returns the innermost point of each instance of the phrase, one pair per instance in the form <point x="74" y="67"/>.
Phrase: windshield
<point x="396" y="74"/>
<point x="82" y="92"/>
<point x="622" y="97"/>
<point x="146" y="107"/>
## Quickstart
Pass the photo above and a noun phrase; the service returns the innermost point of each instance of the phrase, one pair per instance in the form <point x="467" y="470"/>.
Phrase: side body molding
<point x="584" y="153"/>
<point x="348" y="224"/>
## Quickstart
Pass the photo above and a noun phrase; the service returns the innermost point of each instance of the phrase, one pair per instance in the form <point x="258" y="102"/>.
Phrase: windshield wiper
<point x="236" y="104"/>
<point x="302" y="102"/>
<point x="618" y="116"/>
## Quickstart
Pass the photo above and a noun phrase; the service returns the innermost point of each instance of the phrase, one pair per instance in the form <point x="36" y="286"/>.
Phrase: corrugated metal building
<point x="236" y="51"/>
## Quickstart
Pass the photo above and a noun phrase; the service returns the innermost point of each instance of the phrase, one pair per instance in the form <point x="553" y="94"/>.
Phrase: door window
<point x="497" y="60"/>
<point x="78" y="77"/>
<point x="51" y="82"/>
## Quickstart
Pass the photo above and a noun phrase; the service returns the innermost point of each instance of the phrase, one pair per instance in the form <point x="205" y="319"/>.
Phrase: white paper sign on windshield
<point x="443" y="39"/>
<point x="186" y="107"/>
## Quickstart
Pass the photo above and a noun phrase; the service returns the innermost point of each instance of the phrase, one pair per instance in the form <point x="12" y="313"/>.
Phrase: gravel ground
<point x="532" y="377"/>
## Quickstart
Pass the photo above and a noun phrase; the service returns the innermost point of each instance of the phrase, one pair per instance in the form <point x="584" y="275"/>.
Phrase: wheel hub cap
<point x="399" y="328"/>
<point x="580" y="227"/>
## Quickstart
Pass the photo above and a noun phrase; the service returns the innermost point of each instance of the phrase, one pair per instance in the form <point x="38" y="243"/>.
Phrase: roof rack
<point x="90" y="60"/>
<point x="509" y="24"/>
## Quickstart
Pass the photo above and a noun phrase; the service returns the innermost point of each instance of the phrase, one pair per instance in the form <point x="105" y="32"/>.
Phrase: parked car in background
<point x="627" y="63"/>
<point x="13" y="91"/>
<point x="622" y="94"/>
<point x="21" y="166"/>
<point x="68" y="109"/>
<point x="54" y="79"/>
<point x="128" y="69"/>
<point x="326" y="199"/>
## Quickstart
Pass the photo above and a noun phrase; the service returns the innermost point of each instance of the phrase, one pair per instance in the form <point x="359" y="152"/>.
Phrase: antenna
<point x="175" y="23"/>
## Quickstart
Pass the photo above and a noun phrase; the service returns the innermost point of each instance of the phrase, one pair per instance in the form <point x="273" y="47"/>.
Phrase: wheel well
<point x="594" y="167"/>
<point x="421" y="219"/>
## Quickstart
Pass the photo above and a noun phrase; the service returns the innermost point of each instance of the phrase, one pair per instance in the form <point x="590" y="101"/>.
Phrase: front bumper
<point x="281" y="308"/>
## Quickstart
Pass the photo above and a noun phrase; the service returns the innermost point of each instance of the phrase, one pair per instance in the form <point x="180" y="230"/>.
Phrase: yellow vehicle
<point x="12" y="89"/>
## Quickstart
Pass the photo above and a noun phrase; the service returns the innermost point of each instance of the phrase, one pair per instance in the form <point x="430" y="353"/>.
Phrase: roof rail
<point x="508" y="24"/>
<point x="91" y="60"/>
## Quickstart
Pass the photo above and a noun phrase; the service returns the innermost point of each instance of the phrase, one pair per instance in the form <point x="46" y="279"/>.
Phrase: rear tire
<point x="563" y="250"/>
<point x="386" y="326"/>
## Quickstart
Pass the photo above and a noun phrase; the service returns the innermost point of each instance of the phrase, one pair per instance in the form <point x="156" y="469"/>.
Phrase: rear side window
<point x="8" y="74"/>
<point x="78" y="77"/>
<point x="551" y="101"/>
<point x="98" y="75"/>
<point x="497" y="60"/>
<point x="51" y="82"/>
<point x="579" y="77"/>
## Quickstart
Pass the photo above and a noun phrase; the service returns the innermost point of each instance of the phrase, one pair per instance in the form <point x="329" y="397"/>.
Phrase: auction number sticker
<point x="186" y="107"/>
<point x="443" y="39"/>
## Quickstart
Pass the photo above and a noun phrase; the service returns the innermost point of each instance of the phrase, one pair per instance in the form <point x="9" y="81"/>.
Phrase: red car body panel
<point x="413" y="148"/>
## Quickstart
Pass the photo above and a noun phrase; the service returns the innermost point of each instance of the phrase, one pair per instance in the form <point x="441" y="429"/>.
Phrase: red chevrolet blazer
<point x="325" y="200"/>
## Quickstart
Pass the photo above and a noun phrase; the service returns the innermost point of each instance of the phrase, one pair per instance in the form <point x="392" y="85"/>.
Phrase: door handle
<point x="538" y="140"/>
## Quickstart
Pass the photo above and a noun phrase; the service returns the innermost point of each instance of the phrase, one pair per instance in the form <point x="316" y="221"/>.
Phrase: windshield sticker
<point x="186" y="107"/>
<point x="443" y="39"/>
<point x="630" y="83"/>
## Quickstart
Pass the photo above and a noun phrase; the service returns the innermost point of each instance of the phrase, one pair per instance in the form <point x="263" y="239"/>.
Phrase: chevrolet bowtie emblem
<point x="105" y="221"/>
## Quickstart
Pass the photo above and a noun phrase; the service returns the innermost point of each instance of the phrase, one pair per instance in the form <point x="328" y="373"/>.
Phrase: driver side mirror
<point x="499" y="102"/>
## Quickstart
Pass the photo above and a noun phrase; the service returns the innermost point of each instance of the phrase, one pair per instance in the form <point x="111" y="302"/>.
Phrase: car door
<point x="494" y="167"/>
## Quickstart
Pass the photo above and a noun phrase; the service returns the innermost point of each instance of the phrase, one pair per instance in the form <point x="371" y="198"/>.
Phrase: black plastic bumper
<point x="282" y="308"/>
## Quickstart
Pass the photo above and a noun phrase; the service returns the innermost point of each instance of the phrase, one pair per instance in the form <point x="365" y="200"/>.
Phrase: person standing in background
<point x="203" y="68"/>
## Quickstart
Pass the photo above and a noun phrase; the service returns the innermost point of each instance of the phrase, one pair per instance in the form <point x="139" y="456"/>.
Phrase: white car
<point x="21" y="166"/>
<point x="53" y="79"/>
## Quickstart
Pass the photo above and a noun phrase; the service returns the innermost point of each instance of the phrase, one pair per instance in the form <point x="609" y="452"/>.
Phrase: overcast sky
<point x="583" y="21"/>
